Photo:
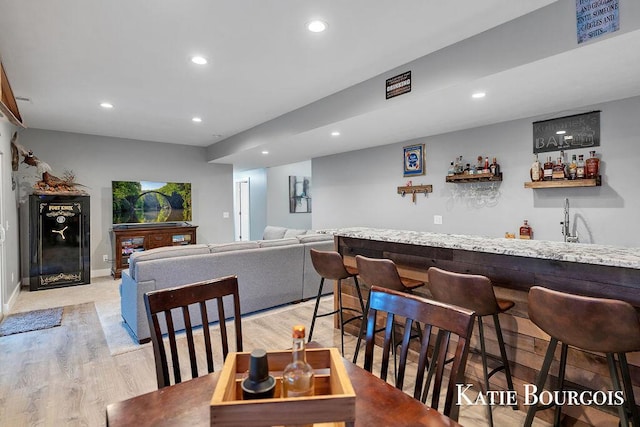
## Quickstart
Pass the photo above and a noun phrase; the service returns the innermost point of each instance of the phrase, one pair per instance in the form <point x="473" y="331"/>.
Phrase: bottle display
<point x="592" y="165"/>
<point x="558" y="170"/>
<point x="580" y="167"/>
<point x="573" y="167"/>
<point x="526" y="232"/>
<point x="485" y="169"/>
<point x="298" y="376"/>
<point x="536" y="172"/>
<point x="548" y="169"/>
<point x="495" y="167"/>
<point x="452" y="170"/>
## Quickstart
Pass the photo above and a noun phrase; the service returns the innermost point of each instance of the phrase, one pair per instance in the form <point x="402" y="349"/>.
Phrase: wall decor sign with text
<point x="567" y="133"/>
<point x="595" y="18"/>
<point x="398" y="85"/>
<point x="299" y="194"/>
<point x="414" y="160"/>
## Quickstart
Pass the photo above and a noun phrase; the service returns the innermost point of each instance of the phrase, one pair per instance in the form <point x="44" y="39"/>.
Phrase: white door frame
<point x="241" y="212"/>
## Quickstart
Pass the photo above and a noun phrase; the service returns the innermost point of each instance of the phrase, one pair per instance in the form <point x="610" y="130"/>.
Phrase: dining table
<point x="378" y="403"/>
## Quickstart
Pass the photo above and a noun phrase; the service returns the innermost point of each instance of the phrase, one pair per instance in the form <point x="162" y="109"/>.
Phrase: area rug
<point x="31" y="321"/>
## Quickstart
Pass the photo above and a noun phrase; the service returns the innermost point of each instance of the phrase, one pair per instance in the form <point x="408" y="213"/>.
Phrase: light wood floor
<point x="66" y="376"/>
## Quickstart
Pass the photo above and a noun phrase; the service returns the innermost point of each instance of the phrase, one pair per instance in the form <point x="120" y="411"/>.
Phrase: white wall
<point x="278" y="196"/>
<point x="269" y="197"/>
<point x="11" y="261"/>
<point x="96" y="161"/>
<point x="359" y="188"/>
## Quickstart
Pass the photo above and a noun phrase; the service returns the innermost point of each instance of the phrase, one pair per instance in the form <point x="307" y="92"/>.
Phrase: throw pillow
<point x="293" y="232"/>
<point x="272" y="232"/>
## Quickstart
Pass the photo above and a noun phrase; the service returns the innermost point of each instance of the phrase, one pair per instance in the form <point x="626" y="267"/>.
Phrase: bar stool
<point x="474" y="292"/>
<point x="329" y="265"/>
<point x="382" y="273"/>
<point x="592" y="324"/>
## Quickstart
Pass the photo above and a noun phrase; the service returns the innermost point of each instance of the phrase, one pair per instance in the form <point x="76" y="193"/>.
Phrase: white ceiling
<point x="68" y="56"/>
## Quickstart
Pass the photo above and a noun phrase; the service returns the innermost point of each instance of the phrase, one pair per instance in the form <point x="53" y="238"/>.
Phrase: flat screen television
<point x="139" y="202"/>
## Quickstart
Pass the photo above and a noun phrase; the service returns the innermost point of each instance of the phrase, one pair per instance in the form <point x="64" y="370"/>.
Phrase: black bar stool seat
<point x="475" y="292"/>
<point x="593" y="324"/>
<point x="329" y="265"/>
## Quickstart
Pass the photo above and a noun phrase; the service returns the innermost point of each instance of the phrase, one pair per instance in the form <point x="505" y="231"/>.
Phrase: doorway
<point x="241" y="210"/>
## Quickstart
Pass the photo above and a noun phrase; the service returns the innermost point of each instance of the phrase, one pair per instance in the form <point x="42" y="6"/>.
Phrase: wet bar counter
<point x="514" y="266"/>
<point x="586" y="269"/>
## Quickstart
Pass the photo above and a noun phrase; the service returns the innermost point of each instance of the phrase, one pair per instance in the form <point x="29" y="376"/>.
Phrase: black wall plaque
<point x="582" y="131"/>
<point x="398" y="85"/>
<point x="59" y="241"/>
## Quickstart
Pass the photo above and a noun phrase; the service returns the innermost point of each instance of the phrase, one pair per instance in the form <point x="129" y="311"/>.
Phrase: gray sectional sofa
<point x="274" y="271"/>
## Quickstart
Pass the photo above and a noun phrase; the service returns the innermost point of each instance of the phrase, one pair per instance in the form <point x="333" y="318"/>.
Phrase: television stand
<point x="130" y="238"/>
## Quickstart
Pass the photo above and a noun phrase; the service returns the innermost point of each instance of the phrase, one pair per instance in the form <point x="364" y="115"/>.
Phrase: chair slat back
<point x="166" y="304"/>
<point x="402" y="311"/>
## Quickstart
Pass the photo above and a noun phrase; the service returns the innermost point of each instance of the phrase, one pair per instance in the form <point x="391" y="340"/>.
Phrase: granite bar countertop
<point x="615" y="256"/>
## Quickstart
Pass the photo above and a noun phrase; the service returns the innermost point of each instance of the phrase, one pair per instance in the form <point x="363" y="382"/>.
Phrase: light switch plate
<point x="437" y="219"/>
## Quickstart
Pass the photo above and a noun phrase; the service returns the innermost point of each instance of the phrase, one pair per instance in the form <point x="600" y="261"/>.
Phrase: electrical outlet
<point x="437" y="219"/>
<point x="105" y="258"/>
<point x="225" y="214"/>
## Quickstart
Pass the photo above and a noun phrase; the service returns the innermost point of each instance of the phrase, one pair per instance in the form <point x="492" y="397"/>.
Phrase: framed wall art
<point x="414" y="160"/>
<point x="299" y="194"/>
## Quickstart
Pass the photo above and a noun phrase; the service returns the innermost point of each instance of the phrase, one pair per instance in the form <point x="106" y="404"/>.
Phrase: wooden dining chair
<point x="390" y="306"/>
<point x="166" y="305"/>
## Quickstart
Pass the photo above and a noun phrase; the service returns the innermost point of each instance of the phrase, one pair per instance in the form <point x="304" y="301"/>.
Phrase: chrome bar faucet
<point x="566" y="229"/>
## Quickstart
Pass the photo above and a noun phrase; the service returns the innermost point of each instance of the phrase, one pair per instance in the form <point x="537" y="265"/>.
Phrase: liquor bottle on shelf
<point x="536" y="172"/>
<point x="592" y="165"/>
<point x="297" y="377"/>
<point x="526" y="232"/>
<point x="558" y="170"/>
<point x="459" y="166"/>
<point x="573" y="167"/>
<point x="452" y="170"/>
<point x="495" y="167"/>
<point x="580" y="167"/>
<point x="467" y="169"/>
<point x="548" y="169"/>
<point x="486" y="169"/>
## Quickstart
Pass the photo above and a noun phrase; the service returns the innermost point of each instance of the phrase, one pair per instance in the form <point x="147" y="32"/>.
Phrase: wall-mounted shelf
<point x="565" y="183"/>
<point x="414" y="189"/>
<point x="478" y="177"/>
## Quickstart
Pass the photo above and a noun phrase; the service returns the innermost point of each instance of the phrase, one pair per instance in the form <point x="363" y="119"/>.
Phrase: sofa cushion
<point x="278" y="242"/>
<point x="315" y="237"/>
<point x="293" y="232"/>
<point x="233" y="246"/>
<point x="164" y="252"/>
<point x="272" y="232"/>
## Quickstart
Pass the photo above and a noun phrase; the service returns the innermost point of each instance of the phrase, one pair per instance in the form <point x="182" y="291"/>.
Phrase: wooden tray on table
<point x="334" y="402"/>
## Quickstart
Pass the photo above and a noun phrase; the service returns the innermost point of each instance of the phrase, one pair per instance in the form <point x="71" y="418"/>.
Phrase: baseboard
<point x="12" y="299"/>
<point x="101" y="273"/>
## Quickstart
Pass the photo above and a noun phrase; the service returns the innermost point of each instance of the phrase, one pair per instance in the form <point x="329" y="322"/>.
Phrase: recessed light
<point x="217" y="135"/>
<point x="106" y="105"/>
<point x="265" y="152"/>
<point x="478" y="95"/>
<point x="196" y="120"/>
<point x="561" y="132"/>
<point x="200" y="60"/>
<point x="335" y="133"/>
<point x="317" y="26"/>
